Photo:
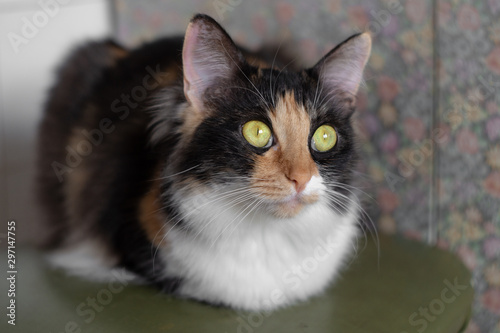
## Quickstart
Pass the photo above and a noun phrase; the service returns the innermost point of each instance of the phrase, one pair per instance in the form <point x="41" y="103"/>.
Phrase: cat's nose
<point x="300" y="178"/>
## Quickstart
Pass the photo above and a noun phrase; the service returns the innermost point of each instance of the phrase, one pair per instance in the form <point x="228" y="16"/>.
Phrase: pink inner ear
<point x="207" y="57"/>
<point x="344" y="70"/>
<point x="345" y="75"/>
<point x="190" y="74"/>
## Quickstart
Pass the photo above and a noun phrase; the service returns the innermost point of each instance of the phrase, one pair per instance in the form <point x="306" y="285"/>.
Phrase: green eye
<point x="324" y="138"/>
<point x="257" y="134"/>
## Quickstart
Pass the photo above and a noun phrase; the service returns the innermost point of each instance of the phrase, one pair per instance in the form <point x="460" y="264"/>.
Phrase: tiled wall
<point x="429" y="115"/>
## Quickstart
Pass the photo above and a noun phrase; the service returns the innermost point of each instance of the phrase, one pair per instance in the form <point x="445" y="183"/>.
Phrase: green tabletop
<point x="409" y="288"/>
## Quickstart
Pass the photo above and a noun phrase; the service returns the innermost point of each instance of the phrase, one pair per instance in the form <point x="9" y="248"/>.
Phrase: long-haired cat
<point x="202" y="168"/>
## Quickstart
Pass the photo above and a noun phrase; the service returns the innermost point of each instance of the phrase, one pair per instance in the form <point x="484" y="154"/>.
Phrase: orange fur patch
<point x="170" y="75"/>
<point x="118" y="52"/>
<point x="256" y="61"/>
<point x="150" y="216"/>
<point x="192" y="119"/>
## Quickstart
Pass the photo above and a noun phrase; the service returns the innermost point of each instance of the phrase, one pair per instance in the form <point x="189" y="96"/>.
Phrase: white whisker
<point x="334" y="196"/>
<point x="178" y="218"/>
<point x="235" y="218"/>
<point x="176" y="174"/>
<point x="281" y="70"/>
<point x="231" y="204"/>
<point x="271" y="72"/>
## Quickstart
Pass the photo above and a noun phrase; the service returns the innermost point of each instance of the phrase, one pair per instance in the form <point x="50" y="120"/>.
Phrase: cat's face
<point x="278" y="140"/>
<point x="289" y="152"/>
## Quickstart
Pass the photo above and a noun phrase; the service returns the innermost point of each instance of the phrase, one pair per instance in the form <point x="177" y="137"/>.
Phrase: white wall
<point x="26" y="73"/>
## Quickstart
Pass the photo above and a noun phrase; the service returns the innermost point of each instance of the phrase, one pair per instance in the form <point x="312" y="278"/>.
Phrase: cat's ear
<point x="209" y="56"/>
<point x="341" y="70"/>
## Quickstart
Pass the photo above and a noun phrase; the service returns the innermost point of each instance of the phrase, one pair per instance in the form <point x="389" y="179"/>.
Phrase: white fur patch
<point x="251" y="260"/>
<point x="87" y="260"/>
<point x="315" y="185"/>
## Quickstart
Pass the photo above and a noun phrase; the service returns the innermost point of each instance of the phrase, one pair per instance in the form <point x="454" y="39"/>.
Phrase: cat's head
<point x="279" y="139"/>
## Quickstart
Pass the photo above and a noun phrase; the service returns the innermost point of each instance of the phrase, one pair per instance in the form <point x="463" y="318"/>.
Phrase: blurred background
<point x="428" y="117"/>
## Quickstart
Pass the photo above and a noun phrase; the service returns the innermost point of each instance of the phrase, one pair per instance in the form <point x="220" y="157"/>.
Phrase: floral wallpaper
<point x="428" y="116"/>
<point x="469" y="162"/>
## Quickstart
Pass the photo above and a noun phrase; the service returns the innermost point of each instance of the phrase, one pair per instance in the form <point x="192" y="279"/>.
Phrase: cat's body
<point x="147" y="164"/>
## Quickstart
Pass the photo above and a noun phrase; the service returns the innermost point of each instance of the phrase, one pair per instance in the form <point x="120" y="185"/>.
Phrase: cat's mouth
<point x="293" y="204"/>
<point x="286" y="200"/>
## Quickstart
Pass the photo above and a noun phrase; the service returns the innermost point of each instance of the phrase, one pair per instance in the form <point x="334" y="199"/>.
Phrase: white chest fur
<point x="253" y="261"/>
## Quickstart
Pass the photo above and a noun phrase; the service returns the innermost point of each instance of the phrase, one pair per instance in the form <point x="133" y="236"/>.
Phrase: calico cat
<point x="202" y="168"/>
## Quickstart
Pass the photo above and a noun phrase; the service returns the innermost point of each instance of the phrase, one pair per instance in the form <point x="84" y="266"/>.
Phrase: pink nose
<point x="300" y="178"/>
